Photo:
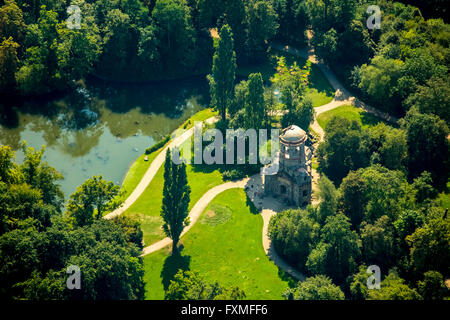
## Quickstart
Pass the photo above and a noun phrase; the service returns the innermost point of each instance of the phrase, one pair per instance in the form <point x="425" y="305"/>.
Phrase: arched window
<point x="283" y="189"/>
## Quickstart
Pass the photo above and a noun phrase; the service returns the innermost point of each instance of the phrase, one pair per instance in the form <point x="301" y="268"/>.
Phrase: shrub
<point x="233" y="174"/>
<point x="315" y="288"/>
<point x="157" y="145"/>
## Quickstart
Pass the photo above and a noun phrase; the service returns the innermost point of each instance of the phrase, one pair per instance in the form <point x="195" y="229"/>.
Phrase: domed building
<point x="292" y="183"/>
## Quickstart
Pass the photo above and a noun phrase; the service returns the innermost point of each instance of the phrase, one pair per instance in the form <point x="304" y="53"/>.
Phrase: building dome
<point x="293" y="134"/>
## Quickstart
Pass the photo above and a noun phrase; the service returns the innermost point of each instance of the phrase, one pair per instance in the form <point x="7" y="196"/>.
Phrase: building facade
<point x="292" y="183"/>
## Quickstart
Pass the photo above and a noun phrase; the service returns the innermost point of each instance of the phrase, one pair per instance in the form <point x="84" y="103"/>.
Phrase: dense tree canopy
<point x="38" y="243"/>
<point x="411" y="57"/>
<point x="394" y="288"/>
<point x="292" y="20"/>
<point x="375" y="217"/>
<point x="342" y="149"/>
<point x="433" y="286"/>
<point x="92" y="199"/>
<point x="130" y="40"/>
<point x="430" y="245"/>
<point x="428" y="147"/>
<point x="175" y="34"/>
<point x="377" y="207"/>
<point x="294" y="234"/>
<point x="262" y="26"/>
<point x="188" y="285"/>
<point x="315" y="288"/>
<point x="338" y="250"/>
<point x="8" y="64"/>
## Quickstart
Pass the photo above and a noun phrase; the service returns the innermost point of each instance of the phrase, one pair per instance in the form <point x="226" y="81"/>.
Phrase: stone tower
<point x="292" y="182"/>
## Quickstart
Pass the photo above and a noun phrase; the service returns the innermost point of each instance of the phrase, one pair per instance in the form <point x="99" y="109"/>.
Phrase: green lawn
<point x="319" y="89"/>
<point x="139" y="167"/>
<point x="314" y="163"/>
<point x="199" y="116"/>
<point x="351" y="113"/>
<point x="148" y="207"/>
<point x="319" y="98"/>
<point x="444" y="198"/>
<point x="224" y="245"/>
<point x="136" y="172"/>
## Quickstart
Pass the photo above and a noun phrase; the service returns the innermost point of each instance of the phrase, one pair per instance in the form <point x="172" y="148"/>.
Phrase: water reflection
<point x="100" y="128"/>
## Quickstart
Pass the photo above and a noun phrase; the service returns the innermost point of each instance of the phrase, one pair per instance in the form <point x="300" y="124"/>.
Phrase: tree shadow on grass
<point x="292" y="282"/>
<point x="172" y="265"/>
<point x="368" y="119"/>
<point x="251" y="205"/>
<point x="319" y="82"/>
<point x="317" y="79"/>
<point x="205" y="168"/>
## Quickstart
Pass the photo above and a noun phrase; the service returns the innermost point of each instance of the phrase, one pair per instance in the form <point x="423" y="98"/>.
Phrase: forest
<point x="402" y="65"/>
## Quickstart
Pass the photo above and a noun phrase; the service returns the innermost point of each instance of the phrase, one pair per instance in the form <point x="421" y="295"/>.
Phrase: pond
<point x="100" y="128"/>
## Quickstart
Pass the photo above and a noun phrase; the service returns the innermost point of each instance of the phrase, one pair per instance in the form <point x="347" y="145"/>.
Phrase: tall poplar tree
<point x="176" y="197"/>
<point x="235" y="16"/>
<point x="254" y="102"/>
<point x="223" y="72"/>
<point x="262" y="26"/>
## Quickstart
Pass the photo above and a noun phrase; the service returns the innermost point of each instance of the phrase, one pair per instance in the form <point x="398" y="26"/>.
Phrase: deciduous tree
<point x="428" y="146"/>
<point x="329" y="197"/>
<point x="430" y="245"/>
<point x="394" y="288"/>
<point x="94" y="194"/>
<point x="189" y="285"/>
<point x="294" y="234"/>
<point x="315" y="288"/>
<point x="433" y="286"/>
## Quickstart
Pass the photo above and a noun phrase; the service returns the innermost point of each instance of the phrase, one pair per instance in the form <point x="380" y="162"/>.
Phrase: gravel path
<point x="196" y="211"/>
<point x="268" y="206"/>
<point x="342" y="96"/>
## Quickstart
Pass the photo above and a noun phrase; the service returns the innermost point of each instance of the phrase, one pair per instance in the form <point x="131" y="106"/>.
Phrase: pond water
<point x="100" y="128"/>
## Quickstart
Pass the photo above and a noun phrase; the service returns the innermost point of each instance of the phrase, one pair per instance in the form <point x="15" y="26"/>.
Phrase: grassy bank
<point x="319" y="88"/>
<point x="444" y="198"/>
<point x="147" y="208"/>
<point x="365" y="119"/>
<point x="136" y="172"/>
<point x="139" y="167"/>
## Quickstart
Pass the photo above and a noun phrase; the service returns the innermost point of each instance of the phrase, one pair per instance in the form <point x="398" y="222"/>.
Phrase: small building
<point x="292" y="183"/>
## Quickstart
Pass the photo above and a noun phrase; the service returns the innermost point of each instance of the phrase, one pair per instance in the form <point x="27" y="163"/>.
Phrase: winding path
<point x="196" y="211"/>
<point x="342" y="95"/>
<point x="151" y="172"/>
<point x="267" y="205"/>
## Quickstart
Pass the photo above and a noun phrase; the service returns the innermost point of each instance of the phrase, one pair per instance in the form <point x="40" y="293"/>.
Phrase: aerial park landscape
<point x="224" y="150"/>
